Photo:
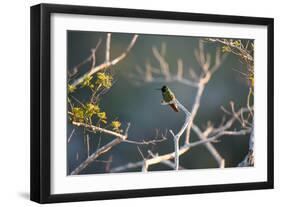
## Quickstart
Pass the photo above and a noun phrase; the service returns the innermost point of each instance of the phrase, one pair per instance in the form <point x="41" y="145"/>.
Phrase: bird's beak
<point x="159" y="89"/>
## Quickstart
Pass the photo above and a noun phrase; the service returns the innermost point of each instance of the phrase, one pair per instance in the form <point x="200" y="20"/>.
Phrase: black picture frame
<point x="41" y="99"/>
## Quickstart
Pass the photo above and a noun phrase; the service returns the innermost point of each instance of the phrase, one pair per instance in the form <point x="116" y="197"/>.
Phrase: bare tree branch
<point x="119" y="138"/>
<point x="204" y="140"/>
<point x="205" y="78"/>
<point x="92" y="58"/>
<point x="70" y="136"/>
<point x="107" y="50"/>
<point x="234" y="47"/>
<point x="249" y="159"/>
<point x="163" y="74"/>
<point x="179" y="134"/>
<point x="99" y="129"/>
<point x="211" y="134"/>
<point x="106" y="64"/>
<point x="203" y="137"/>
<point x="95" y="155"/>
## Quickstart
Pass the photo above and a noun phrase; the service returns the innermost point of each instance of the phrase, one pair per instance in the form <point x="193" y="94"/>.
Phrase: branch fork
<point x="181" y="131"/>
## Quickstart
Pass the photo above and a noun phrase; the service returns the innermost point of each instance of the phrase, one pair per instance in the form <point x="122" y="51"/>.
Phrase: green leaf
<point x="102" y="115"/>
<point x="71" y="88"/>
<point x="226" y="48"/>
<point x="116" y="126"/>
<point x="87" y="81"/>
<point x="104" y="79"/>
<point x="91" y="109"/>
<point x="77" y="114"/>
<point x="237" y="43"/>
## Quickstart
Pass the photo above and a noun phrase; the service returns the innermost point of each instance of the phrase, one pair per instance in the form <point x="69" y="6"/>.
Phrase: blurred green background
<point x="140" y="104"/>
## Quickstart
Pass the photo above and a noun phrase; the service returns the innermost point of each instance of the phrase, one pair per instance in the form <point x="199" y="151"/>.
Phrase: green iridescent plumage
<point x="169" y="96"/>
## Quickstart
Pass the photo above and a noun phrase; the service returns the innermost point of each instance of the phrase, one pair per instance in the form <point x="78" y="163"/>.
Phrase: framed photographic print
<point x="132" y="103"/>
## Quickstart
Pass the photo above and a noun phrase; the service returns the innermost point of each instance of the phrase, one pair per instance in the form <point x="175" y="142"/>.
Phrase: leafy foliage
<point x="91" y="112"/>
<point x="226" y="48"/>
<point x="104" y="79"/>
<point x="87" y="81"/>
<point x="116" y="126"/>
<point x="102" y="116"/>
<point x="91" y="109"/>
<point x="244" y="50"/>
<point x="71" y="88"/>
<point x="77" y="114"/>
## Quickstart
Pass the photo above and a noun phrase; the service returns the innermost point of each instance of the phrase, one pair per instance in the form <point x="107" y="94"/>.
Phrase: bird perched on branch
<point x="169" y="98"/>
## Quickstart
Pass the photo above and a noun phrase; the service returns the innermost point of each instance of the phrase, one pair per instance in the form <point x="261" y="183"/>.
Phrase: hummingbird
<point x="169" y="96"/>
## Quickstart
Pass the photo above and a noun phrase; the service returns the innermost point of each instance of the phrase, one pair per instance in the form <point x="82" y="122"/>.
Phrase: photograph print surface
<point x="151" y="102"/>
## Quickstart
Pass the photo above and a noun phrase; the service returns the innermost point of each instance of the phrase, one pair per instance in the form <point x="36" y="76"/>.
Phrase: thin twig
<point x="92" y="128"/>
<point x="205" y="78"/>
<point x="141" y="153"/>
<point x="71" y="134"/>
<point x="107" y="50"/>
<point x="166" y="162"/>
<point x="95" y="155"/>
<point x="204" y="140"/>
<point x="186" y="147"/>
<point x="106" y="64"/>
<point x="101" y="150"/>
<point x="248" y="100"/>
<point x="126" y="167"/>
<point x="203" y="137"/>
<point x="90" y="58"/>
<point x="178" y="135"/>
<point x="230" y="44"/>
<point x="99" y="129"/>
<point x="249" y="159"/>
<point x="164" y="66"/>
<point x="88" y="145"/>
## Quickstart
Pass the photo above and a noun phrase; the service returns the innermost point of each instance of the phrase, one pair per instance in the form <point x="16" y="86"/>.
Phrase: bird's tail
<point x="174" y="107"/>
